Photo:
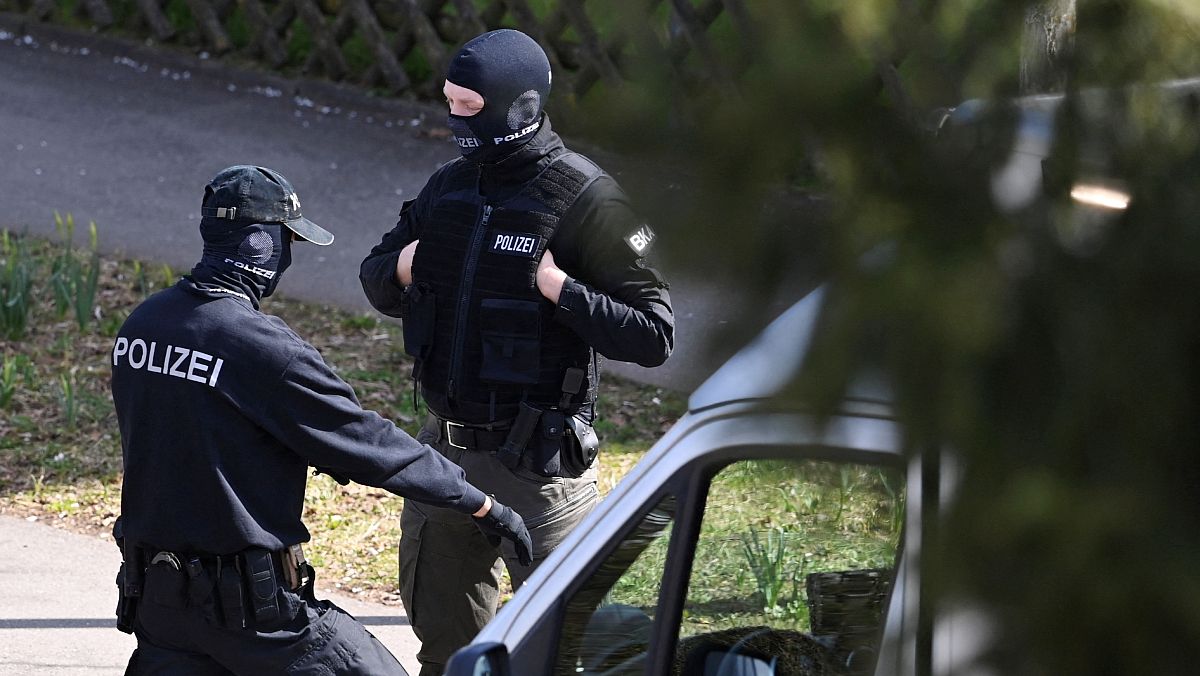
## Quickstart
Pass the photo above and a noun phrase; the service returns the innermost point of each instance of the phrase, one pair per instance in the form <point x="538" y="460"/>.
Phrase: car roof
<point x="763" y="369"/>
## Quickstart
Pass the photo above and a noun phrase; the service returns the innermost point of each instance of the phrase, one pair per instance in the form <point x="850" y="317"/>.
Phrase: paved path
<point x="57" y="595"/>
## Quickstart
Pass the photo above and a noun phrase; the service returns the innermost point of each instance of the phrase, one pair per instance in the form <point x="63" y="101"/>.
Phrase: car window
<point x="606" y="628"/>
<point x="792" y="566"/>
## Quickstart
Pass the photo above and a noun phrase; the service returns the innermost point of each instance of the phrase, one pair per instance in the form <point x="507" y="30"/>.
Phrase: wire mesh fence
<point x="402" y="46"/>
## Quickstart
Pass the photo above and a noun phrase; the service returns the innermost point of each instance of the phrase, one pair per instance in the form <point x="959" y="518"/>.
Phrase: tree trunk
<point x="1049" y="37"/>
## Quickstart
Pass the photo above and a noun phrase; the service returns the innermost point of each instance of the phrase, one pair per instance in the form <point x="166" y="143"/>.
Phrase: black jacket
<point x="616" y="303"/>
<point x="223" y="408"/>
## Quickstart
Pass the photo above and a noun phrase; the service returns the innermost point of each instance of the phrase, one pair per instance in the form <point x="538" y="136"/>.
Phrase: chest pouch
<point x="510" y="340"/>
<point x="418" y="308"/>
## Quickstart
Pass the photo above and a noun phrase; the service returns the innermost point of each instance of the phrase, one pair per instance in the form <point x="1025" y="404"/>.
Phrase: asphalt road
<point x="127" y="136"/>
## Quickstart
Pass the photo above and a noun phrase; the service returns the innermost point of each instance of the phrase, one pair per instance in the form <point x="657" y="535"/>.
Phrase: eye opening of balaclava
<point x="510" y="70"/>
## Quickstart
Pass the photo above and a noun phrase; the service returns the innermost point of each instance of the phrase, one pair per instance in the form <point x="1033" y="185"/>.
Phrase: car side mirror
<point x="724" y="663"/>
<point x="479" y="659"/>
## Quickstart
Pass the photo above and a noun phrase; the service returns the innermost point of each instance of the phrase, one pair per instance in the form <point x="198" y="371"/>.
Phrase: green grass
<point x="60" y="458"/>
<point x="768" y="525"/>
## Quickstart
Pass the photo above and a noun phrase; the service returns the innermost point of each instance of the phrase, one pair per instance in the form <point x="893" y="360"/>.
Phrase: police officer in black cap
<point x="513" y="269"/>
<point x="222" y="409"/>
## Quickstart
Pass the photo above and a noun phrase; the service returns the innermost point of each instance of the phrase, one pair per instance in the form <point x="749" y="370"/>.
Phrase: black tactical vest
<point x="484" y="337"/>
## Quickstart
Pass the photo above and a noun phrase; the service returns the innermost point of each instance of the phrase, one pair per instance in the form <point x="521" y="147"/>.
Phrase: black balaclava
<point x="249" y="218"/>
<point x="512" y="74"/>
<point x="244" y="257"/>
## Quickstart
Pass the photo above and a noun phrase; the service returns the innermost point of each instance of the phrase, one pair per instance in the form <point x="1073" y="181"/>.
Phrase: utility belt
<point x="235" y="591"/>
<point x="544" y="439"/>
<point x="548" y="442"/>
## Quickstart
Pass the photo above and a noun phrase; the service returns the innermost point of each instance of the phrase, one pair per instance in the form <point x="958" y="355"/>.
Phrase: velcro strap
<point x="219" y="212"/>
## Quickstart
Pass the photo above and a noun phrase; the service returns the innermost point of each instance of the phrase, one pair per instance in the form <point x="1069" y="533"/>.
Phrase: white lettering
<point x="196" y="365"/>
<point x="525" y="245"/>
<point x="180" y="355"/>
<point x="120" y="348"/>
<point x="640" y="240"/>
<point x="504" y="242"/>
<point x="150" y="359"/>
<point x="469" y="142"/>
<point x="134" y="362"/>
<point x="515" y="135"/>
<point x="252" y="269"/>
<point x="178" y="362"/>
<point x="212" y="380"/>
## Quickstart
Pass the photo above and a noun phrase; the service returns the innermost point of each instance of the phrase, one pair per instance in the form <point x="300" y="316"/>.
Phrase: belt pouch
<point x="229" y="582"/>
<point x="126" y="605"/>
<point x="200" y="588"/>
<point x="545" y="453"/>
<point x="260" y="573"/>
<point x="165" y="586"/>
<point x="579" y="449"/>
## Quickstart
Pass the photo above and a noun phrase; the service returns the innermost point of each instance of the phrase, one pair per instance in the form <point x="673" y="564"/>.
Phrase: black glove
<point x="503" y="522"/>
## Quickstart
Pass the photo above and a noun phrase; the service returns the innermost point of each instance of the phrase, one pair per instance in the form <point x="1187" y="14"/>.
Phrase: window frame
<point x="668" y="617"/>
<point x="689" y="458"/>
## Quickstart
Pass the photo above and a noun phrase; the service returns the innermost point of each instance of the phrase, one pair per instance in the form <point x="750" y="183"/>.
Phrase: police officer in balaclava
<point x="516" y="267"/>
<point x="222" y="409"/>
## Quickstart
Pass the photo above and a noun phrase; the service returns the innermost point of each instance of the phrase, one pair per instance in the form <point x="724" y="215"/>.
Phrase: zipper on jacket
<point x="464" y="299"/>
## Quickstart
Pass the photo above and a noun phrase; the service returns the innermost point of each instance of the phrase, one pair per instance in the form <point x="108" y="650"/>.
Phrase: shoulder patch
<point x="640" y="240"/>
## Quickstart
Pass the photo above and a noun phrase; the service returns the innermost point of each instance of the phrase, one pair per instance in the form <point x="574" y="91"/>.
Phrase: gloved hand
<point x="502" y="522"/>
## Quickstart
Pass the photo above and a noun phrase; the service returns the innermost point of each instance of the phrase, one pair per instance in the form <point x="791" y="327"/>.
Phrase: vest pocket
<point x="510" y="334"/>
<point x="417" y="310"/>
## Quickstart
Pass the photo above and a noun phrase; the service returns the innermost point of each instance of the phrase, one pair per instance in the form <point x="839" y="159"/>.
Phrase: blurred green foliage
<point x="1053" y="347"/>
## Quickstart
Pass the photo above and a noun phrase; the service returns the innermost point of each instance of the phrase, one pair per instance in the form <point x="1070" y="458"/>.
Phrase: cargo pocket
<point x="510" y="333"/>
<point x="418" y="319"/>
<point x="410" y="559"/>
<point x="335" y="642"/>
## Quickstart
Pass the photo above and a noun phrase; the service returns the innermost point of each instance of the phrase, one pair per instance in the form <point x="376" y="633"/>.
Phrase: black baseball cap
<point x="245" y="193"/>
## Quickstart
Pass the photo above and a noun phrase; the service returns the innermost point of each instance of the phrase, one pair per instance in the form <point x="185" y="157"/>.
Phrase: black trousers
<point x="177" y="635"/>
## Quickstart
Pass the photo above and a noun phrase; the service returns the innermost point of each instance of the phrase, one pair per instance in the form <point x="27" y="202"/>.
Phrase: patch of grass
<point x="16" y="285"/>
<point x="358" y="54"/>
<point x="70" y="474"/>
<point x="299" y="43"/>
<point x="758" y="542"/>
<point x="239" y="29"/>
<point x="180" y="16"/>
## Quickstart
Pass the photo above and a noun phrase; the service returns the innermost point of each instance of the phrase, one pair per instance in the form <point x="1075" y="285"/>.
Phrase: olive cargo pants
<point x="450" y="573"/>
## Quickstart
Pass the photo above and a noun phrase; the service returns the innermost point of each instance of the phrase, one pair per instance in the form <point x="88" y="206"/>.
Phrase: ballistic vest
<point x="494" y="339"/>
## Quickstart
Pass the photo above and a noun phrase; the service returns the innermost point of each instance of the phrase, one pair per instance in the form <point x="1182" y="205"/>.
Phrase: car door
<point x="783" y="554"/>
